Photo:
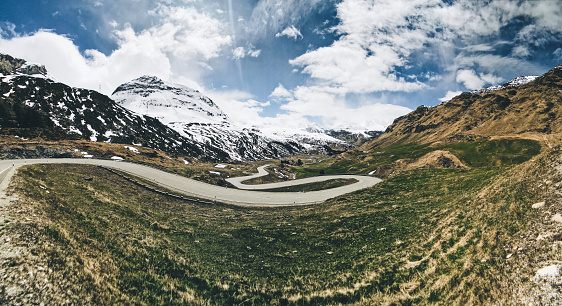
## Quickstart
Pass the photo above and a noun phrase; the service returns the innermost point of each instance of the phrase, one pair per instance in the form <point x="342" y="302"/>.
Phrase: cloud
<point x="558" y="53"/>
<point x="380" y="41"/>
<point x="7" y="29"/>
<point x="350" y="68"/>
<point x="473" y="81"/>
<point x="239" y="105"/>
<point x="186" y="32"/>
<point x="290" y="32"/>
<point x="178" y="47"/>
<point x="521" y="51"/>
<point x="272" y="16"/>
<point x="329" y="109"/>
<point x="242" y="52"/>
<point x="333" y="111"/>
<point x="280" y="92"/>
<point x="450" y="95"/>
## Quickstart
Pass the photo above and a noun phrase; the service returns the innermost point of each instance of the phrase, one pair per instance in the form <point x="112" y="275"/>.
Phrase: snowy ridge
<point x="200" y="120"/>
<point x="518" y="81"/>
<point x="170" y="103"/>
<point x="49" y="105"/>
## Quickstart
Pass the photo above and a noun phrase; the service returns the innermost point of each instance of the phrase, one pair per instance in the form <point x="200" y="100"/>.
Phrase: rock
<point x="557" y="246"/>
<point x="544" y="236"/>
<point x="538" y="205"/>
<point x="557" y="218"/>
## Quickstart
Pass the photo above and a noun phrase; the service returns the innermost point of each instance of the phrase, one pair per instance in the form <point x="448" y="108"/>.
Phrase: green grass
<point x="334" y="183"/>
<point x="423" y="232"/>
<point x="492" y="153"/>
<point x="146" y="244"/>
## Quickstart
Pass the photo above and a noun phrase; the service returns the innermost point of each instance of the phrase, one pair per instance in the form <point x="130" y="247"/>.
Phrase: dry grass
<point x="424" y="236"/>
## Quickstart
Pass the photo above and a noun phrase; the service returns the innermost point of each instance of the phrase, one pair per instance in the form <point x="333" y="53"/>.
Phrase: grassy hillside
<point x="482" y="153"/>
<point x="531" y="110"/>
<point x="419" y="237"/>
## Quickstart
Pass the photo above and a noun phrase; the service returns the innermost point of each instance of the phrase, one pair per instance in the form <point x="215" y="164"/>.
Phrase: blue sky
<point x="334" y="64"/>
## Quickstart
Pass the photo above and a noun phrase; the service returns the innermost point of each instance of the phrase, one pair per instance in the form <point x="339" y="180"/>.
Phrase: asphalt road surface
<point x="211" y="192"/>
<point x="365" y="181"/>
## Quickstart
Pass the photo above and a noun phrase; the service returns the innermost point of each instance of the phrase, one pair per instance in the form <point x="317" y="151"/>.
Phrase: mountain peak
<point x="149" y="79"/>
<point x="168" y="102"/>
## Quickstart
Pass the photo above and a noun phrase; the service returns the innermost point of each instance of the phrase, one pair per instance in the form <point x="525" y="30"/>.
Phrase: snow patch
<point x="135" y="150"/>
<point x="518" y="81"/>
<point x="548" y="272"/>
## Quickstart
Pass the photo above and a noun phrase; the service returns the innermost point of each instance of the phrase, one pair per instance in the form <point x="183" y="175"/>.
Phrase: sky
<point x="333" y="64"/>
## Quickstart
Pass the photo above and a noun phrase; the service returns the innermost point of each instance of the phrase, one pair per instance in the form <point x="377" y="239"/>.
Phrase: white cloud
<point x="450" y="95"/>
<point x="290" y="32"/>
<point x="7" y="29"/>
<point x="242" y="52"/>
<point x="558" y="53"/>
<point x="334" y="112"/>
<point x="272" y="16"/>
<point x="239" y="52"/>
<point x="491" y="63"/>
<point x="187" y="32"/>
<point x="473" y="81"/>
<point x="380" y="40"/>
<point x="179" y="47"/>
<point x="329" y="109"/>
<point x="349" y="67"/>
<point x="479" y="48"/>
<point x="521" y="51"/>
<point x="240" y="106"/>
<point x="280" y="92"/>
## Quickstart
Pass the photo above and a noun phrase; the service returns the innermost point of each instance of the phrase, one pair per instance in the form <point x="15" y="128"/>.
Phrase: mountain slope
<point x="524" y="105"/>
<point x="30" y="99"/>
<point x="200" y="120"/>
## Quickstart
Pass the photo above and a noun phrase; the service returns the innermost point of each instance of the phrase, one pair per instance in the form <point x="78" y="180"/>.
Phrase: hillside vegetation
<point x="468" y="213"/>
<point x="528" y="110"/>
<point x="419" y="237"/>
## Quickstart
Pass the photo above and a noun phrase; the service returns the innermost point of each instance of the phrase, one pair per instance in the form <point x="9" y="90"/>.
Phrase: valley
<point x="457" y="203"/>
<point x="419" y="236"/>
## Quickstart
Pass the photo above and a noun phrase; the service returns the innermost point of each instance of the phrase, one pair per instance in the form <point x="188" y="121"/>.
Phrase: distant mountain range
<point x="33" y="104"/>
<point x="145" y="111"/>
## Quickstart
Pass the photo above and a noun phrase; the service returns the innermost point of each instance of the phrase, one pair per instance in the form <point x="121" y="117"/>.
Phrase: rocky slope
<point x="524" y="105"/>
<point x="199" y="119"/>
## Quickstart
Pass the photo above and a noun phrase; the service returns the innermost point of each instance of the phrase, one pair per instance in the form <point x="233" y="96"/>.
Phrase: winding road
<point x="212" y="192"/>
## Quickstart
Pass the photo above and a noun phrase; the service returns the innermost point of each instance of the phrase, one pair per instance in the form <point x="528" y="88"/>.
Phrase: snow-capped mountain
<point x="164" y="116"/>
<point x="319" y="137"/>
<point x="169" y="103"/>
<point x="30" y="99"/>
<point x="518" y="81"/>
<point x="199" y="119"/>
